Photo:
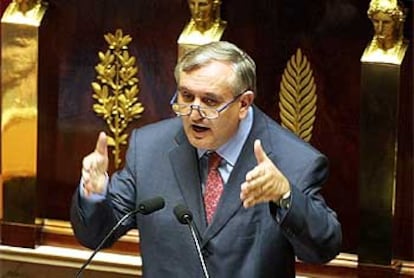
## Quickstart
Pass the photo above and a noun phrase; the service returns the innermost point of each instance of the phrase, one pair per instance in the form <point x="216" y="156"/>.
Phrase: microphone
<point x="184" y="216"/>
<point x="150" y="205"/>
<point x="145" y="207"/>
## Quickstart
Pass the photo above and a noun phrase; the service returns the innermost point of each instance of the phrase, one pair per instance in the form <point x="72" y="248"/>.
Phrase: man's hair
<point x="244" y="68"/>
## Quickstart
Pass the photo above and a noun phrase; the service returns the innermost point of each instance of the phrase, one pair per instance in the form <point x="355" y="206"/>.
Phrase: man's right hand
<point x="94" y="167"/>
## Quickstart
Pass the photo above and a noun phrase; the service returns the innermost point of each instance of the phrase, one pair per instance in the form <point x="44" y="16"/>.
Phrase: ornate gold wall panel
<point x="116" y="90"/>
<point x="298" y="97"/>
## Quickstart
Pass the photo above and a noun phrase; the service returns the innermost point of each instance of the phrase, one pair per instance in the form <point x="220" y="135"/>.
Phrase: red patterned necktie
<point x="213" y="187"/>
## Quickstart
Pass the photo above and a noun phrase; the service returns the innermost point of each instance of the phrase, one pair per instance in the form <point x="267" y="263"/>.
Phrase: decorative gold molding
<point x="297" y="97"/>
<point x="117" y="90"/>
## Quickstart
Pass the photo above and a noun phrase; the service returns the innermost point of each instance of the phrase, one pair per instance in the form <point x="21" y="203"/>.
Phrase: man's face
<point x="385" y="27"/>
<point x="208" y="87"/>
<point x="201" y="10"/>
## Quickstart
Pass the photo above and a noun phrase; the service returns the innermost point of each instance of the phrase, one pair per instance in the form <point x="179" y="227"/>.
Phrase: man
<point x="270" y="209"/>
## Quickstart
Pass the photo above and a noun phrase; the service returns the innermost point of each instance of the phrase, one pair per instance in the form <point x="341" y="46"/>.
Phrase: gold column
<point x="380" y="89"/>
<point x="378" y="160"/>
<point x="19" y="72"/>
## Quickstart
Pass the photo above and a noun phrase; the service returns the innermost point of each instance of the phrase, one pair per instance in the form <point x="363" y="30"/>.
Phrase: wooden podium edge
<point x="60" y="233"/>
<point x="58" y="246"/>
<point x="73" y="258"/>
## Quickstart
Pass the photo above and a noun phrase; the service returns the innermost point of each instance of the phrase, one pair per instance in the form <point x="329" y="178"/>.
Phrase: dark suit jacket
<point x="255" y="242"/>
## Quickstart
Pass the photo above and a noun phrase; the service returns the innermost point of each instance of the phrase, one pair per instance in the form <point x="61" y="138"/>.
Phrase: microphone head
<point x="150" y="205"/>
<point x="183" y="214"/>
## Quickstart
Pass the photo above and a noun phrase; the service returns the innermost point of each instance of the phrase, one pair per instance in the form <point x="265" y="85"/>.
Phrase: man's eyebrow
<point x="211" y="95"/>
<point x="214" y="96"/>
<point x="182" y="88"/>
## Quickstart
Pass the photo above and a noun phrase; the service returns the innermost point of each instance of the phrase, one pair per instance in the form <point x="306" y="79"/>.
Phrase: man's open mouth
<point x="198" y="128"/>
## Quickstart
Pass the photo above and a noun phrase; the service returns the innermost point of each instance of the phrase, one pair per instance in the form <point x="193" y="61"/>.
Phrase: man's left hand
<point x="264" y="183"/>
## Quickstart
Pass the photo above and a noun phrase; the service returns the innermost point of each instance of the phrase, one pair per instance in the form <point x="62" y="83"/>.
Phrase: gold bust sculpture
<point x="205" y="25"/>
<point x="28" y="12"/>
<point x="26" y="5"/>
<point x="388" y="44"/>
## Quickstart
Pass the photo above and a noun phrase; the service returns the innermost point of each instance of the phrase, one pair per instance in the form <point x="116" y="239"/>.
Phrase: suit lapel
<point x="230" y="201"/>
<point x="184" y="162"/>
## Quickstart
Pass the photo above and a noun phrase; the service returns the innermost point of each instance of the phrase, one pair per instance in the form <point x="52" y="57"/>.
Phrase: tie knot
<point x="214" y="160"/>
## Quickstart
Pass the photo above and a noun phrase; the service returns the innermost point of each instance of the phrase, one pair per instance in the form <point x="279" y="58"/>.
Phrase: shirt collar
<point x="230" y="151"/>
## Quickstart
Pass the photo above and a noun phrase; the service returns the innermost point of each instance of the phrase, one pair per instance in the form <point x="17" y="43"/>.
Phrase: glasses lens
<point x="185" y="110"/>
<point x="209" y="113"/>
<point x="181" y="110"/>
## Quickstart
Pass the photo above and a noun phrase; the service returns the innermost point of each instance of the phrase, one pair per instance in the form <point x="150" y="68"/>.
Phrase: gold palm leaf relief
<point x="297" y="97"/>
<point x="116" y="90"/>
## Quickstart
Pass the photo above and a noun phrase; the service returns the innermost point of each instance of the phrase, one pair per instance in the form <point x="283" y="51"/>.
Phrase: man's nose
<point x="196" y="101"/>
<point x="195" y="113"/>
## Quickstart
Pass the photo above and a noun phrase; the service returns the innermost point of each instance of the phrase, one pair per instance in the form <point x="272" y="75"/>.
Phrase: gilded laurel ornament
<point x="298" y="97"/>
<point x="116" y="90"/>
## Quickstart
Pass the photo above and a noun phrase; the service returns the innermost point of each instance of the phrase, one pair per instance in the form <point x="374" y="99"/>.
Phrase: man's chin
<point x="200" y="143"/>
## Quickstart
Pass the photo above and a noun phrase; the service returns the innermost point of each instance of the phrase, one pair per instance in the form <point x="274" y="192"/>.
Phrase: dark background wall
<point x="331" y="33"/>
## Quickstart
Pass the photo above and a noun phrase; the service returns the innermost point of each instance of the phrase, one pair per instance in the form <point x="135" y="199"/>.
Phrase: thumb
<point x="259" y="152"/>
<point x="102" y="144"/>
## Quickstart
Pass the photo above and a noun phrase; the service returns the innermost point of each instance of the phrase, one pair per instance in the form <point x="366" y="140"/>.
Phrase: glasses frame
<point x="200" y="108"/>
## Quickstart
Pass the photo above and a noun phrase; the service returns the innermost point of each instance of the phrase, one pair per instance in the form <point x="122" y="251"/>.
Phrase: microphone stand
<point x="78" y="274"/>
<point x="184" y="216"/>
<point x="145" y="207"/>
<point x="200" y="256"/>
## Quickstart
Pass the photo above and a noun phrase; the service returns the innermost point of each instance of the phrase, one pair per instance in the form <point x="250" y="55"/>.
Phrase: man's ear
<point x="245" y="101"/>
<point x="247" y="98"/>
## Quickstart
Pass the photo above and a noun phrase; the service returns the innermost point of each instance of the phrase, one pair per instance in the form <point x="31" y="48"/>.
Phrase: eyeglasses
<point x="205" y="112"/>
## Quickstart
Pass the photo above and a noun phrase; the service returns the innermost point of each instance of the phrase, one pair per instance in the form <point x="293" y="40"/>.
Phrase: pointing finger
<point x="259" y="152"/>
<point x="102" y="144"/>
